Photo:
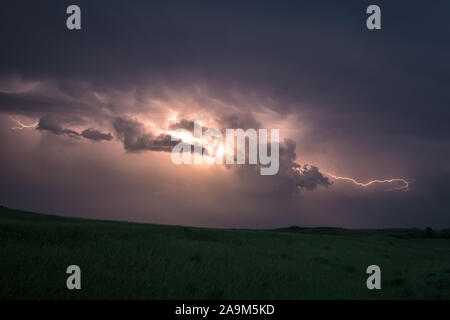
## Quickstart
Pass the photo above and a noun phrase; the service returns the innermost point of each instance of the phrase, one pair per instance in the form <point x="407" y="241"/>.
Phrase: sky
<point x="85" y="114"/>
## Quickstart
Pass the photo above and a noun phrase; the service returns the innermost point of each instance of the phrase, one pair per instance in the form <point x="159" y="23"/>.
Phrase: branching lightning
<point x="21" y="126"/>
<point x="403" y="187"/>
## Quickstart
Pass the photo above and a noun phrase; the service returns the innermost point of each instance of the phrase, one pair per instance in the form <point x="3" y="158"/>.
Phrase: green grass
<point x="122" y="260"/>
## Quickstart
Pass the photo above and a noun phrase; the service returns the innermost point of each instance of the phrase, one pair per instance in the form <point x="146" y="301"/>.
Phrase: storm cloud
<point x="348" y="101"/>
<point x="96" y="135"/>
<point x="53" y="124"/>
<point x="135" y="138"/>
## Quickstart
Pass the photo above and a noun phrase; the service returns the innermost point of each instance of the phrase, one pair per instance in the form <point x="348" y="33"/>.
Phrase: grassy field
<point x="122" y="260"/>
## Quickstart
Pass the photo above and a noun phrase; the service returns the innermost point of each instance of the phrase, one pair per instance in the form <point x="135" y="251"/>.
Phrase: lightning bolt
<point x="21" y="126"/>
<point x="404" y="183"/>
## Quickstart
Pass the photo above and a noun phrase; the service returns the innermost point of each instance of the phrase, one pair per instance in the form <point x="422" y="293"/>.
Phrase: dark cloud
<point x="54" y="125"/>
<point x="291" y="178"/>
<point x="183" y="124"/>
<point x="23" y="102"/>
<point x="70" y="133"/>
<point x="35" y="103"/>
<point x="368" y="103"/>
<point x="136" y="138"/>
<point x="298" y="176"/>
<point x="96" y="135"/>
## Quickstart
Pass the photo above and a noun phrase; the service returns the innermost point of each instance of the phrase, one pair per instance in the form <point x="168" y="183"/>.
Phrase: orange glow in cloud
<point x="219" y="151"/>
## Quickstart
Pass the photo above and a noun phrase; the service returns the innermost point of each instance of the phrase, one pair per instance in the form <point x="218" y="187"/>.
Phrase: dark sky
<point x="351" y="102"/>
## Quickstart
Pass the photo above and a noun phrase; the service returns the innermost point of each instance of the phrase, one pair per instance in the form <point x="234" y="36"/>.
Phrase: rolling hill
<point x="121" y="260"/>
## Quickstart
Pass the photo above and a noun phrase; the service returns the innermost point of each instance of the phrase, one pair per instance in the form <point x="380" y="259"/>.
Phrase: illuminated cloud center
<point x="212" y="148"/>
